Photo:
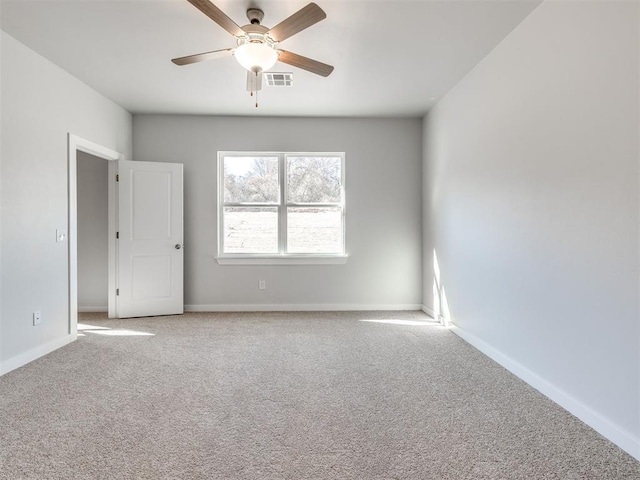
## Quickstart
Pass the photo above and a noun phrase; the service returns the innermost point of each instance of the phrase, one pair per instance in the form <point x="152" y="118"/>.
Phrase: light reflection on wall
<point x="440" y="304"/>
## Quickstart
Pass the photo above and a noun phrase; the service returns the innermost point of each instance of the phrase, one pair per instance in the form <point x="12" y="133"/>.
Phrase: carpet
<point x="304" y="395"/>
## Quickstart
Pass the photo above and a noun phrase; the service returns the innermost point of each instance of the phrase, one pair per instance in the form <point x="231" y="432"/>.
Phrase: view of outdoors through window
<point x="283" y="204"/>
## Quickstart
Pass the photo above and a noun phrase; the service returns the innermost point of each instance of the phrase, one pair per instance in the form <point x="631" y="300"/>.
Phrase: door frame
<point x="76" y="144"/>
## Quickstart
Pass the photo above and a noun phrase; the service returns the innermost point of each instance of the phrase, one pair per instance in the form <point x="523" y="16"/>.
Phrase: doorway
<point x="76" y="148"/>
<point x="93" y="223"/>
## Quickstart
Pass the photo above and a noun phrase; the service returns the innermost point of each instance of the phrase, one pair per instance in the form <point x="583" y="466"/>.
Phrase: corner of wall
<point x="33" y="354"/>
<point x="624" y="439"/>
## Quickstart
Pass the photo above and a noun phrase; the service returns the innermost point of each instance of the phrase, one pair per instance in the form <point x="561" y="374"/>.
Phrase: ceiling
<point x="391" y="57"/>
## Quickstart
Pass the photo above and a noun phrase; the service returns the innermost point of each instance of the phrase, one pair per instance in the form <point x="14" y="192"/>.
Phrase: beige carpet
<point x="366" y="395"/>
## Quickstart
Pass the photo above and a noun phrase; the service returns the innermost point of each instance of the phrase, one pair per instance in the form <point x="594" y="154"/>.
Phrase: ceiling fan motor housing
<point x="255" y="15"/>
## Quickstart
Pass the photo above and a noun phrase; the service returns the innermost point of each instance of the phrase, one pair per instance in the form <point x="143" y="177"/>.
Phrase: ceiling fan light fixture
<point x="256" y="56"/>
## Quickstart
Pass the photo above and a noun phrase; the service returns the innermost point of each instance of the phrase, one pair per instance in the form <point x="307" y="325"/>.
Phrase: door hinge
<point x="117" y="291"/>
<point x="117" y="234"/>
<point x="117" y="177"/>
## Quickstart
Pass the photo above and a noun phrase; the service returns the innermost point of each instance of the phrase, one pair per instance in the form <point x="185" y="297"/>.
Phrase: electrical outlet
<point x="262" y="284"/>
<point x="37" y="318"/>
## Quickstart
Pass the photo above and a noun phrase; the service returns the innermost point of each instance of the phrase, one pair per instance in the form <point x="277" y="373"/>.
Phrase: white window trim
<point x="279" y="258"/>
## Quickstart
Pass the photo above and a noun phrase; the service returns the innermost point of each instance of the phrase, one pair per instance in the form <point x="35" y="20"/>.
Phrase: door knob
<point x="178" y="246"/>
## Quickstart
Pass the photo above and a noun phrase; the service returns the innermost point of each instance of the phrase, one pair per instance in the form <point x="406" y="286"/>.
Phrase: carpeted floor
<point x="367" y="395"/>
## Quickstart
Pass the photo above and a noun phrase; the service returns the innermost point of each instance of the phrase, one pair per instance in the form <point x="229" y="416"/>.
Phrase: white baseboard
<point x="623" y="439"/>
<point x="35" y="353"/>
<point x="298" y="307"/>
<point x="92" y="309"/>
<point x="429" y="311"/>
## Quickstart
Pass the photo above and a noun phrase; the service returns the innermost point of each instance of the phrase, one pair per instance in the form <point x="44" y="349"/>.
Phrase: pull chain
<point x="256" y="89"/>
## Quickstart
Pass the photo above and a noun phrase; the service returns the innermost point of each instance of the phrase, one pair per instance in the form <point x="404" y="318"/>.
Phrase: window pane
<point x="314" y="179"/>
<point x="251" y="180"/>
<point x="250" y="230"/>
<point x="314" y="230"/>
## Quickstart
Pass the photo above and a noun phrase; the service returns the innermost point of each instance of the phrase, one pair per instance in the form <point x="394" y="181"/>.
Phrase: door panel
<point x="150" y="267"/>
<point x="151" y="277"/>
<point x="151" y="208"/>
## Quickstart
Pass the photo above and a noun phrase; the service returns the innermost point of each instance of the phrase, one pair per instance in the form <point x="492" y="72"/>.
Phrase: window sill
<point x="283" y="260"/>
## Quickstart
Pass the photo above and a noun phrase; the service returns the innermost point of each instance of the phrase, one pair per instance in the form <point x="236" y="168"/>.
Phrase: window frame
<point x="281" y="257"/>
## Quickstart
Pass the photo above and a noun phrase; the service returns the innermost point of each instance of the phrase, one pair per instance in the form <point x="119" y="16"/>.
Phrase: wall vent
<point x="278" y="79"/>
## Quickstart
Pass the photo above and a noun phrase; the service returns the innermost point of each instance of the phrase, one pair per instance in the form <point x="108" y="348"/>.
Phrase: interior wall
<point x="93" y="217"/>
<point x="531" y="204"/>
<point x="40" y="105"/>
<point x="383" y="211"/>
<point x="1" y="253"/>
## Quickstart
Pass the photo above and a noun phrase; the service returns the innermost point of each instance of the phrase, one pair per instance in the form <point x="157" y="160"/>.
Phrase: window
<point x="281" y="207"/>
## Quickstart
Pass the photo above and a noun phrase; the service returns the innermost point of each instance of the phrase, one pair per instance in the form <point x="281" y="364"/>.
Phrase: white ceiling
<point x="391" y="57"/>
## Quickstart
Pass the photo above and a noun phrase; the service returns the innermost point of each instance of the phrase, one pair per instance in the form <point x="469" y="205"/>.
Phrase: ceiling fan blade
<point x="303" y="18"/>
<point x="201" y="57"/>
<point x="218" y="16"/>
<point x="305" y="63"/>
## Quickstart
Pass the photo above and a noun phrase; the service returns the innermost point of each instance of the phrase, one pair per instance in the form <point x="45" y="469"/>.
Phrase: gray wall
<point x="383" y="229"/>
<point x="531" y="203"/>
<point x="93" y="210"/>
<point x="40" y="105"/>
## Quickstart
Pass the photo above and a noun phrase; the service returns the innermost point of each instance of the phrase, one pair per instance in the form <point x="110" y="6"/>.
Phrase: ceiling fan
<point x="257" y="46"/>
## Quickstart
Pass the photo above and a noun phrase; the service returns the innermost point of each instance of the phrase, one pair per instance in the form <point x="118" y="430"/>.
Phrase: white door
<point x="150" y="239"/>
